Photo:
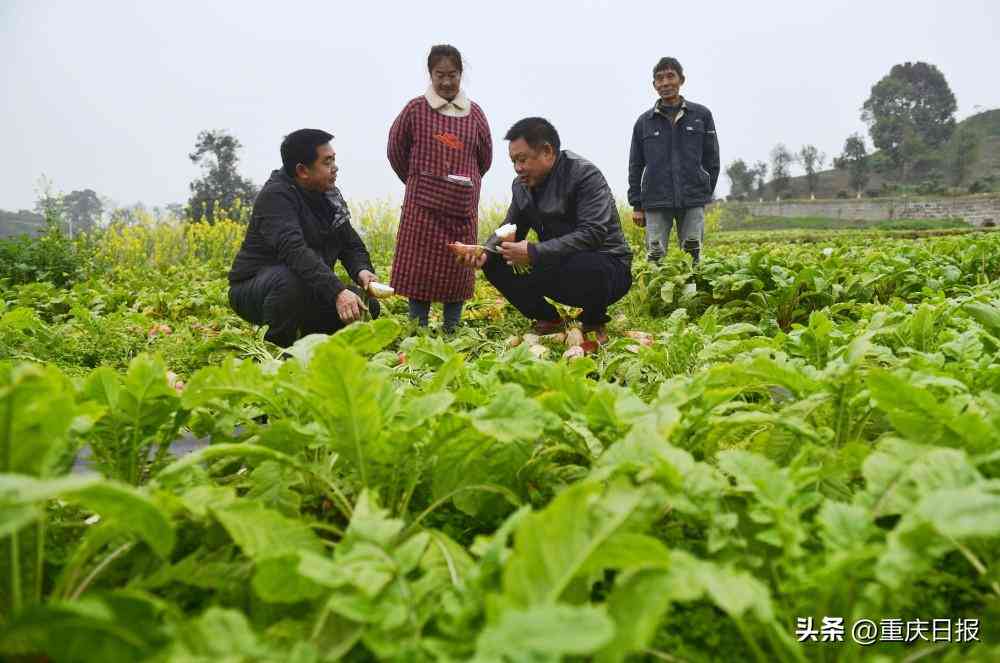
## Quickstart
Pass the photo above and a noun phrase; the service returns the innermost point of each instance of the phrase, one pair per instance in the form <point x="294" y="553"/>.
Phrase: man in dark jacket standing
<point x="673" y="165"/>
<point x="581" y="258"/>
<point x="283" y="274"/>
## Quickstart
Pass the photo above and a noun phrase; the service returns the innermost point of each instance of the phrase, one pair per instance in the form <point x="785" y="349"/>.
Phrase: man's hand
<point x="639" y="218"/>
<point x="365" y="277"/>
<point x="516" y="253"/>
<point x="348" y="306"/>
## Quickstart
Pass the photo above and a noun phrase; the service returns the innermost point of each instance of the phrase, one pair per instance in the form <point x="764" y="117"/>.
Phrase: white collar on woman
<point x="457" y="107"/>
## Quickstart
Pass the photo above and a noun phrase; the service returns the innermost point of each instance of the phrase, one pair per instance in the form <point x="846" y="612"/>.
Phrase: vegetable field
<point x="793" y="432"/>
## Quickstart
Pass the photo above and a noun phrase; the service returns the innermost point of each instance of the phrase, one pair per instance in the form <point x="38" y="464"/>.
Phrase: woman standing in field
<point x="440" y="147"/>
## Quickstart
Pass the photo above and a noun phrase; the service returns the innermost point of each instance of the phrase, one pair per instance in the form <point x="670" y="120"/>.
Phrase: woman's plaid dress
<point x="425" y="147"/>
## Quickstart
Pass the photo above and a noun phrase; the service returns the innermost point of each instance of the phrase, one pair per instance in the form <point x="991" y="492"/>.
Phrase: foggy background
<point x="111" y="95"/>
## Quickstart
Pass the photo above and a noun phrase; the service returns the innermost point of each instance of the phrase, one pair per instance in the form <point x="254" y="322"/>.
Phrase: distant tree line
<point x="73" y="212"/>
<point x="219" y="192"/>
<point x="910" y="114"/>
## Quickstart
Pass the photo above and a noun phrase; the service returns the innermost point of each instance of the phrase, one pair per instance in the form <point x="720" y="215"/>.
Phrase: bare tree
<point x="856" y="161"/>
<point x="812" y="161"/>
<point x="741" y="178"/>
<point x="781" y="161"/>
<point x="760" y="176"/>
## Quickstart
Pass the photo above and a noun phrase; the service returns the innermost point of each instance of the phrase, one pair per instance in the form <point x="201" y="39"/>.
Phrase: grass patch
<point x="825" y="223"/>
<point x="798" y="236"/>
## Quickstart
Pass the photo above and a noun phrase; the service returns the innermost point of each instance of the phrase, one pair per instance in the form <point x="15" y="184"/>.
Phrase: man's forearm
<point x="355" y="256"/>
<point x="636" y="164"/>
<point x="317" y="276"/>
<point x="356" y="264"/>
<point x="308" y="266"/>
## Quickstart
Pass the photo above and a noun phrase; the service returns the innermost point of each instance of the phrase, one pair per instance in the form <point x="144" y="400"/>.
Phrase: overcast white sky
<point x="111" y="95"/>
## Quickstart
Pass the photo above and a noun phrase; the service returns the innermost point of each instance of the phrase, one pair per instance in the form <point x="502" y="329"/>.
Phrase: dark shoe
<point x="599" y="330"/>
<point x="544" y="327"/>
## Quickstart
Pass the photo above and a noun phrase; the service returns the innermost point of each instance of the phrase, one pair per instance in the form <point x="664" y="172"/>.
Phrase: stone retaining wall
<point x="982" y="210"/>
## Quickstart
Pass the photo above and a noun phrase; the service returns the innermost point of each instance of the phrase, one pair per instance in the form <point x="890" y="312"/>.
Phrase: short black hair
<point x="536" y="131"/>
<point x="441" y="51"/>
<point x="300" y="147"/>
<point x="668" y="63"/>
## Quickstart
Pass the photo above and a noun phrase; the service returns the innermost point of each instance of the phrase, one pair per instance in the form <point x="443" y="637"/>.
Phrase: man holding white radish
<point x="581" y="258"/>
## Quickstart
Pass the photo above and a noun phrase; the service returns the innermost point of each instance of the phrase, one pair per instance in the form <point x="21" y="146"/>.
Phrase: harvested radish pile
<point x="572" y="339"/>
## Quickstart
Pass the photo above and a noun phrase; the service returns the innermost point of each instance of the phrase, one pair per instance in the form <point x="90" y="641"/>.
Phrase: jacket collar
<point x="458" y="106"/>
<point x="341" y="211"/>
<point x="280" y="175"/>
<point x="655" y="110"/>
<point x="560" y="160"/>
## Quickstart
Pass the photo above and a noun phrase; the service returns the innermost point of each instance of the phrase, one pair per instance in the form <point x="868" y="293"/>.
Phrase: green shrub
<point x="984" y="185"/>
<point x="51" y="256"/>
<point x="890" y="189"/>
<point x="931" y="187"/>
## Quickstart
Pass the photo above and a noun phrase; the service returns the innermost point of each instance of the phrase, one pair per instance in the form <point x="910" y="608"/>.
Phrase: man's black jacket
<point x="673" y="165"/>
<point x="572" y="211"/>
<point x="286" y="229"/>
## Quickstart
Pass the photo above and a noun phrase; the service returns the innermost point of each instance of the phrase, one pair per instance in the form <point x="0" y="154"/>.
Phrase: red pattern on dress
<point x="424" y="148"/>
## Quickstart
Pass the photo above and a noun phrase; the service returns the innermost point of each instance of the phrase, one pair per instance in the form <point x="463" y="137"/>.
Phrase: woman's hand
<point x="470" y="255"/>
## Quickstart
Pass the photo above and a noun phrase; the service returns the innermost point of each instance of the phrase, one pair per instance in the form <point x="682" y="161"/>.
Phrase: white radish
<point x="574" y="337"/>
<point x="174" y="382"/>
<point x="505" y="230"/>
<point x="380" y="290"/>
<point x="539" y="351"/>
<point x="575" y="352"/>
<point x="644" y="338"/>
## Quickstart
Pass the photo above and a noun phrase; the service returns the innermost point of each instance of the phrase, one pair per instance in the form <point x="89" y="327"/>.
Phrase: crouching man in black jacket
<point x="581" y="258"/>
<point x="283" y="275"/>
